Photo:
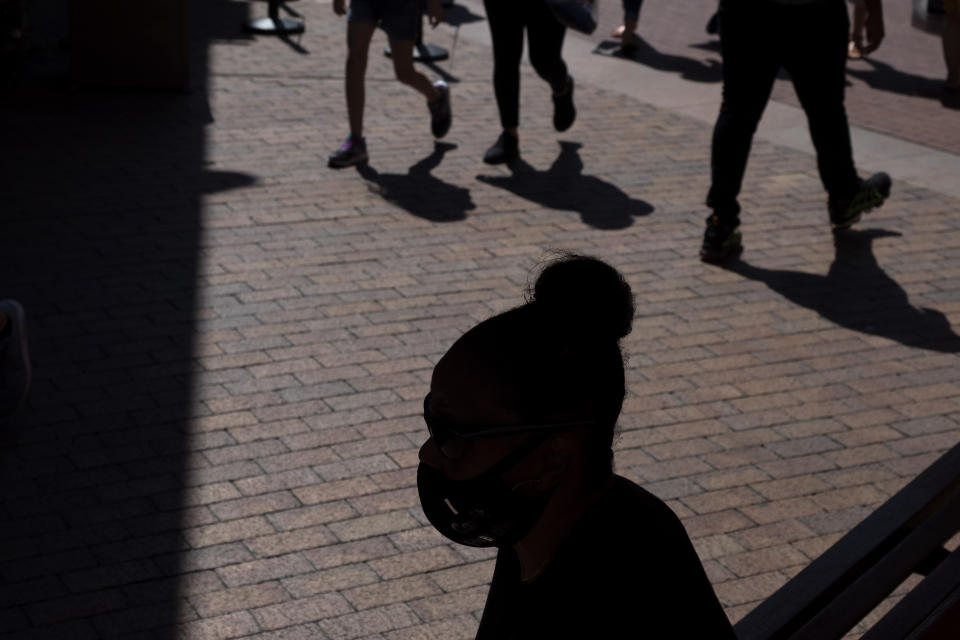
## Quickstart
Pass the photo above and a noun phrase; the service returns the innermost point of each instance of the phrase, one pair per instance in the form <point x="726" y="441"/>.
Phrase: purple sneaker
<point x="352" y="151"/>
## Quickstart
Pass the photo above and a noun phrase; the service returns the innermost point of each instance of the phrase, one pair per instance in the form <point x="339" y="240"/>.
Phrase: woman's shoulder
<point x="630" y="501"/>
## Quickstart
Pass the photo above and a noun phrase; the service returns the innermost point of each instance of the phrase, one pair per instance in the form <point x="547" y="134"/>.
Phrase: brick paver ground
<point x="232" y="342"/>
<point x="895" y="90"/>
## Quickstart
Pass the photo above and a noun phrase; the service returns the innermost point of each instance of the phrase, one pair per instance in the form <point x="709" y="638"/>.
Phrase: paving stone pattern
<point x="895" y="90"/>
<point x="232" y="341"/>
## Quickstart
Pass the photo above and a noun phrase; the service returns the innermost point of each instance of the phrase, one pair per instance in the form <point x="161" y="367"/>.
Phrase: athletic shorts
<point x="399" y="18"/>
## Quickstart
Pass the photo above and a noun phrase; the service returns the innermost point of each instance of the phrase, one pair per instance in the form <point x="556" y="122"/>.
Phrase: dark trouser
<point x="757" y="39"/>
<point x="507" y="20"/>
<point x="631" y="10"/>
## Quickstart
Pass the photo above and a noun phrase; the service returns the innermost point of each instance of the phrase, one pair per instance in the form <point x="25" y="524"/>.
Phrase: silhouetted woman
<point x="522" y="413"/>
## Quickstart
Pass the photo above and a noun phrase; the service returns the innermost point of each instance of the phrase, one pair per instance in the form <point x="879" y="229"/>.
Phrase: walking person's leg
<point x="628" y="30"/>
<point x="359" y="35"/>
<point x="402" y="53"/>
<point x="856" y="31"/>
<point x="401" y="21"/>
<point x="951" y="53"/>
<point x="506" y="30"/>
<point x="818" y="70"/>
<point x="361" y="23"/>
<point x="546" y="55"/>
<point x="750" y="65"/>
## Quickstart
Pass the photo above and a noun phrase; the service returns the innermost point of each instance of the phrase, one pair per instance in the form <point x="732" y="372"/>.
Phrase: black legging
<point x="751" y="59"/>
<point x="507" y="20"/>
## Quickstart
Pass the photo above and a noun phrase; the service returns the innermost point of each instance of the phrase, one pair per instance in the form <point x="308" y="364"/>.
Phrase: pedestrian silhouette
<point x="509" y="22"/>
<point x="858" y="294"/>
<point x="420" y="192"/>
<point x="522" y="415"/>
<point x="401" y="21"/>
<point x="808" y="39"/>
<point x="563" y="186"/>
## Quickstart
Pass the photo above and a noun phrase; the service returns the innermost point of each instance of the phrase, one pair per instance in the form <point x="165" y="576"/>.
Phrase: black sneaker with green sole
<point x="721" y="241"/>
<point x="870" y="194"/>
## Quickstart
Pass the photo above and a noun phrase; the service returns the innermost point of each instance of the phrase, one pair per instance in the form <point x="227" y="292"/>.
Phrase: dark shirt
<point x="628" y="570"/>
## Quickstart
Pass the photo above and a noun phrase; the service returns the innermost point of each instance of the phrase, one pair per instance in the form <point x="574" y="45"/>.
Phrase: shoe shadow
<point x="564" y="186"/>
<point x="858" y="294"/>
<point x="643" y="52"/>
<point x="419" y="192"/>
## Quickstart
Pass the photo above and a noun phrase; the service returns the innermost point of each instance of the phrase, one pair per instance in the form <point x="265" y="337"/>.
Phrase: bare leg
<point x="358" y="44"/>
<point x="856" y="31"/>
<point x="402" y="53"/>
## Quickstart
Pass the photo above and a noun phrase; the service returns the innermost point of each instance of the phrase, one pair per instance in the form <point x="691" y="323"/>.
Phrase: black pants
<point x="757" y="38"/>
<point x="507" y="19"/>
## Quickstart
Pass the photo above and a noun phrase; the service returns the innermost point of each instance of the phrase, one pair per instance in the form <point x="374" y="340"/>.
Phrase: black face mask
<point x="481" y="511"/>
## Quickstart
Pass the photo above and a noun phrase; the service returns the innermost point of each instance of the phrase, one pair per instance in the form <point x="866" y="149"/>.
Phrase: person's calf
<point x="413" y="78"/>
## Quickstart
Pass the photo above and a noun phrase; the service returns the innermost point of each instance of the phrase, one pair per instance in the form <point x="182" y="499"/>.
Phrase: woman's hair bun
<point x="586" y="295"/>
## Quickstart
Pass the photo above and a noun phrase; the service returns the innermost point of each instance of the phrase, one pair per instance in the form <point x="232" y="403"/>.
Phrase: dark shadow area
<point x="445" y="75"/>
<point x="564" y="186"/>
<point x="708" y="45"/>
<point x="858" y="294"/>
<point x="419" y="192"/>
<point x="101" y="219"/>
<point x="293" y="44"/>
<point x="883" y="77"/>
<point x="645" y="54"/>
<point x="459" y="14"/>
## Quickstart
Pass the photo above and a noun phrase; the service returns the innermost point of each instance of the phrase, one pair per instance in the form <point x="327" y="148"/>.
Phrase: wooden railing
<point x="905" y="535"/>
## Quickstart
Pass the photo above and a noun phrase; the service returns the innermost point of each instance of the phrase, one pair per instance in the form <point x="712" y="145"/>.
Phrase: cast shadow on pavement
<point x="458" y="14"/>
<point x="688" y="68"/>
<point x="419" y="192"/>
<point x="884" y="77"/>
<point x="564" y="186"/>
<point x="858" y="294"/>
<point x="102" y="214"/>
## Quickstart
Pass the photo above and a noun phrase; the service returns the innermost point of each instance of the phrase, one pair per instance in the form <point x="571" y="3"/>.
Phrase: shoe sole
<point x="713" y="258"/>
<point x="343" y="165"/>
<point x="843" y="226"/>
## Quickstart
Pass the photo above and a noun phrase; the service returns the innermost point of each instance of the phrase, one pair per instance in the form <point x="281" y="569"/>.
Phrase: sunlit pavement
<point x="232" y="341"/>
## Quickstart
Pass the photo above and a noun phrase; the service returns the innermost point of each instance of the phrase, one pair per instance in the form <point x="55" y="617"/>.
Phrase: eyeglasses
<point x="453" y="440"/>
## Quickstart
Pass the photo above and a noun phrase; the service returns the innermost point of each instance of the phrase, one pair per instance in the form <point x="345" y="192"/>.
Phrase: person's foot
<point x="441" y="115"/>
<point x="853" y="51"/>
<point x="618" y="32"/>
<point x="950" y="97"/>
<point x="564" y="113"/>
<point x="713" y="24"/>
<point x="505" y="149"/>
<point x="869" y="195"/>
<point x="721" y="241"/>
<point x="15" y="374"/>
<point x="352" y="151"/>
